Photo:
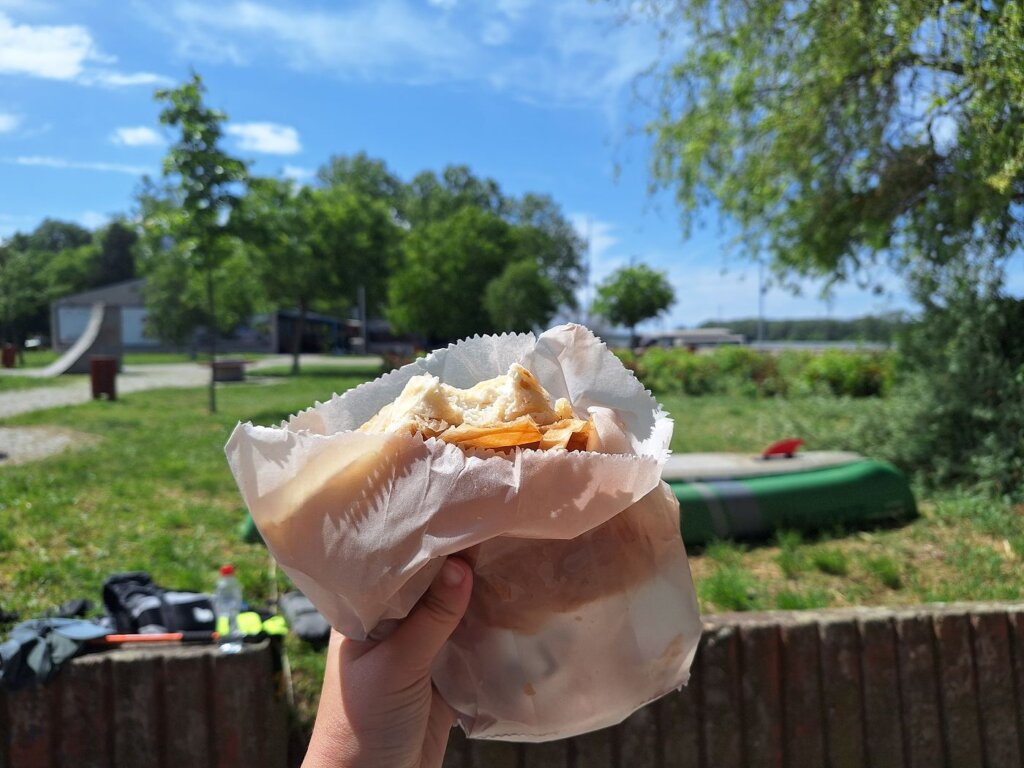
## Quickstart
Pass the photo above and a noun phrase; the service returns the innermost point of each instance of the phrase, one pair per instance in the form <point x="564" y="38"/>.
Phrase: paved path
<point x="137" y="378"/>
<point x="134" y="378"/>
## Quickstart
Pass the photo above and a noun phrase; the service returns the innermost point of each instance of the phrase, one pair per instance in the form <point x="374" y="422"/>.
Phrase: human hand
<point x="378" y="706"/>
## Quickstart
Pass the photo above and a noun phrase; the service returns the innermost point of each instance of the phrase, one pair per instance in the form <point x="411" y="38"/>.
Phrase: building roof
<point x="694" y="336"/>
<point x="124" y="294"/>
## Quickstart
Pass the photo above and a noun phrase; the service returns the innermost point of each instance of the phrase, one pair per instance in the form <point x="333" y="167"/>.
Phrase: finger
<point x="419" y="638"/>
<point x="439" y="726"/>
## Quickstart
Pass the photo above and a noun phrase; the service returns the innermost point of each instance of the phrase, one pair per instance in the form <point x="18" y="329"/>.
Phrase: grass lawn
<point x="11" y="383"/>
<point x="155" y="494"/>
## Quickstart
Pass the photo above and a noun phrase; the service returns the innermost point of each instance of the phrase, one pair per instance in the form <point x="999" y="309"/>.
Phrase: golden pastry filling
<point x="508" y="411"/>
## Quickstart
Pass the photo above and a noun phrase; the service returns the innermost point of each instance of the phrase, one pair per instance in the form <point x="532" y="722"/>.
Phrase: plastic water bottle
<point x="227" y="602"/>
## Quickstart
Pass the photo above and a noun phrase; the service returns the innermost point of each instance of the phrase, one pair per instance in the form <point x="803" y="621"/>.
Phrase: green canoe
<point x="730" y="496"/>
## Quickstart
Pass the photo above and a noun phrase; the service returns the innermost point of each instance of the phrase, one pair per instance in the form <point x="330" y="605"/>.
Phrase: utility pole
<point x="362" y="316"/>
<point x="760" y="301"/>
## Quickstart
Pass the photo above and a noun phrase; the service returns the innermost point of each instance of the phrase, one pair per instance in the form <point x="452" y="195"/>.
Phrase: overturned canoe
<point x="744" y="497"/>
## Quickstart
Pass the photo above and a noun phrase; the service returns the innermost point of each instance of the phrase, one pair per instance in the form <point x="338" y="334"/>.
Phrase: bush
<point x="746" y="371"/>
<point x="958" y="416"/>
<point x="855" y="374"/>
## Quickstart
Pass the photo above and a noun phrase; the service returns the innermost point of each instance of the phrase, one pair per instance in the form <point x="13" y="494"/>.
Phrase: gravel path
<point x="134" y="378"/>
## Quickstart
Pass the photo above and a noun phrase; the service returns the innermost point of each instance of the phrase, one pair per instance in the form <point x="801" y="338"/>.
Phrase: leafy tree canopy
<point x="439" y="291"/>
<point x="839" y="135"/>
<point x="633" y="294"/>
<point x="521" y="298"/>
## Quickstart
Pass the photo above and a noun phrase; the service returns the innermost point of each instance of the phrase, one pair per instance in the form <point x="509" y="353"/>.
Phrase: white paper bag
<point x="583" y="608"/>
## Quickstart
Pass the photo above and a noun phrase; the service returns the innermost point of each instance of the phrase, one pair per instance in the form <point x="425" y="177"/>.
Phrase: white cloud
<point x="92" y="219"/>
<point x="9" y="122"/>
<point x="111" y="79"/>
<point x="380" y="39"/>
<point x="562" y="52"/>
<point x="60" y="52"/>
<point x="77" y="165"/>
<point x="297" y="173"/>
<point x="268" y="138"/>
<point x="137" y="136"/>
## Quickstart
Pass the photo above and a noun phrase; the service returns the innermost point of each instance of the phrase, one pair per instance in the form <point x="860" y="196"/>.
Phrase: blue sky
<point x="537" y="94"/>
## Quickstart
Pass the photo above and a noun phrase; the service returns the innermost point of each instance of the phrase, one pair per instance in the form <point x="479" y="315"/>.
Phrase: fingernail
<point x="452" y="574"/>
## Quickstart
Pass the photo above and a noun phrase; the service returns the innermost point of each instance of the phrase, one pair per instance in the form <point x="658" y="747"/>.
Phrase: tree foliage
<point x="313" y="247"/>
<point x="521" y="298"/>
<point x="508" y="231"/>
<point x="439" y="290"/>
<point x="633" y="294"/>
<point x="838" y="135"/>
<point x="206" y="185"/>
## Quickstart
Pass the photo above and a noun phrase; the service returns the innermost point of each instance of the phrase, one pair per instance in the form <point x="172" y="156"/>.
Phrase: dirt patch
<point x="21" y="445"/>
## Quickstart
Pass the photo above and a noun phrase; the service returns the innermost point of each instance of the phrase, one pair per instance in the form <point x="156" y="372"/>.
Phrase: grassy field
<point x="43" y="357"/>
<point x="155" y="494"/>
<point x="11" y="383"/>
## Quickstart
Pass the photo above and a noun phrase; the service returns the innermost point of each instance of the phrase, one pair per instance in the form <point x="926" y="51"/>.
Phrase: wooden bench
<point x="229" y="370"/>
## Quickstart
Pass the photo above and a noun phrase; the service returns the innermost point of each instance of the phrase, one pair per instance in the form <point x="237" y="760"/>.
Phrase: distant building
<point x="695" y="338"/>
<point x="268" y="333"/>
<point x="70" y="315"/>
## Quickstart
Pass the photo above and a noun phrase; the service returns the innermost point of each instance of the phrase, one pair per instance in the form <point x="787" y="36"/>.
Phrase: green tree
<point x="363" y="175"/>
<point x="521" y="298"/>
<point x="52" y="236"/>
<point x="439" y="290"/>
<point x="19" y="293"/>
<point x="175" y="291"/>
<point x="115" y="261"/>
<point x="312" y="247"/>
<point x="208" y="184"/>
<point x="839" y="136"/>
<point x="633" y="294"/>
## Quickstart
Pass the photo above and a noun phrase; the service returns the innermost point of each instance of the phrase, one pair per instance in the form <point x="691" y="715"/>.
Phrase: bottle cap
<point x="227" y="570"/>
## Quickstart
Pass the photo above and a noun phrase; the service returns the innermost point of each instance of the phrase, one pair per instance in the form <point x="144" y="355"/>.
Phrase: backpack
<point x="138" y="606"/>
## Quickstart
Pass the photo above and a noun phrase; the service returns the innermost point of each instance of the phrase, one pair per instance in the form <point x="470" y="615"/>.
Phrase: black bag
<point x="138" y="606"/>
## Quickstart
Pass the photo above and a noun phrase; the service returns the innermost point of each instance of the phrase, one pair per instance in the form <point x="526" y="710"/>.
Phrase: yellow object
<point x="249" y="623"/>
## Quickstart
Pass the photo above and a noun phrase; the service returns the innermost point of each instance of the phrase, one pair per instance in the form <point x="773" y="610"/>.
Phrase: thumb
<point x="420" y="636"/>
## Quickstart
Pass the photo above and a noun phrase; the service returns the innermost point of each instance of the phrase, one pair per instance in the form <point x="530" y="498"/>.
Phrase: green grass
<point x="13" y="383"/>
<point x="831" y="561"/>
<point x="886" y="570"/>
<point x="748" y="425"/>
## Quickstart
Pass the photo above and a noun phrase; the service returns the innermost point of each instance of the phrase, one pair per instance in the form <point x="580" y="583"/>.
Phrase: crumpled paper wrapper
<point x="583" y="609"/>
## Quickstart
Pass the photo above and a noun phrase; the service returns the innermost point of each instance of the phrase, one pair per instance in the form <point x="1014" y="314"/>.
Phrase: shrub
<point x="746" y="371"/>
